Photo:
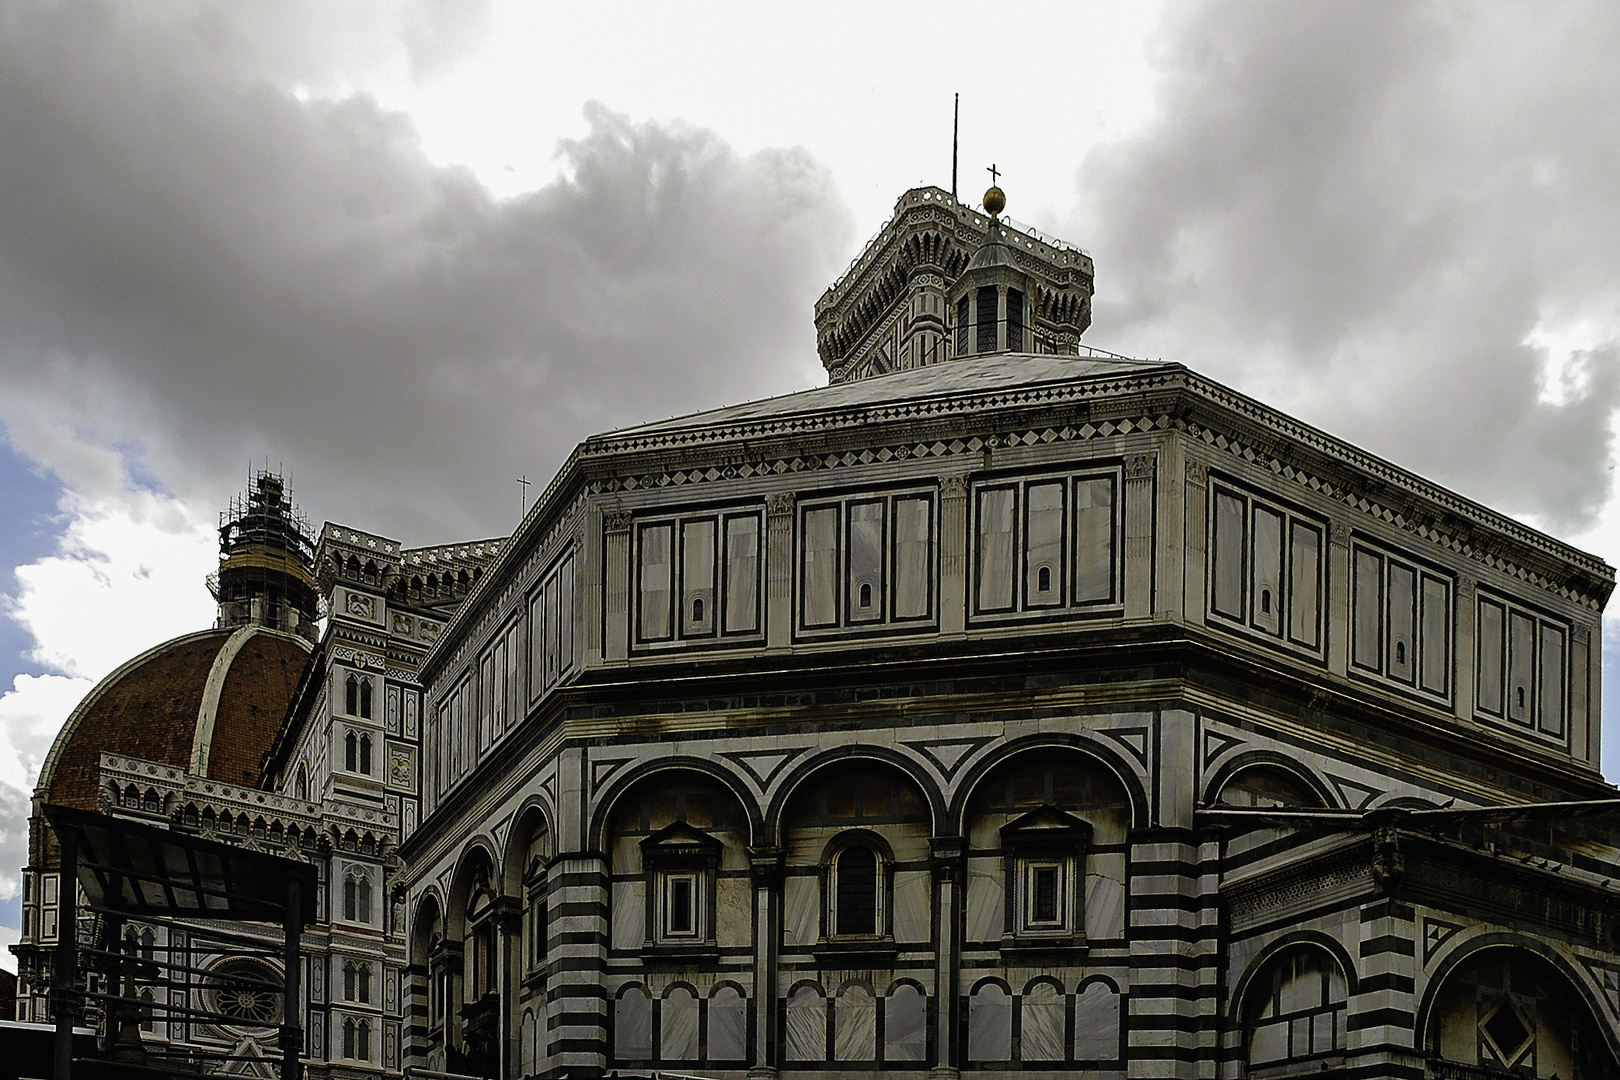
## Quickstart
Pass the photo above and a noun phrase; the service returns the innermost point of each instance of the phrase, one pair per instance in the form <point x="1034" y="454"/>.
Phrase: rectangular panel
<point x="554" y="620"/>
<point x="655" y="578"/>
<point x="1094" y="541"/>
<point x="1043" y="545"/>
<point x="865" y="593"/>
<point x="1521" y="667"/>
<point x="1434" y="672"/>
<point x="1492" y="624"/>
<point x="1402" y="644"/>
<point x="1265" y="593"/>
<point x="1305" y="584"/>
<point x="565" y="615"/>
<point x="820" y="573"/>
<point x="742" y="575"/>
<point x="697" y="577"/>
<point x="913" y="558"/>
<point x="1550" y="716"/>
<point x="1367" y="611"/>
<point x="1227" y="556"/>
<point x="995" y="554"/>
<point x="537" y="643"/>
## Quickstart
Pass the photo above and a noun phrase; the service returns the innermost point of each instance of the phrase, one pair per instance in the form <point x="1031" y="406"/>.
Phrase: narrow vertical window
<point x="365" y="755"/>
<point x="964" y="313"/>
<point x="351" y="696"/>
<point x="365" y="699"/>
<point x="986" y="336"/>
<point x="1015" y="320"/>
<point x="856" y="890"/>
<point x="351" y="754"/>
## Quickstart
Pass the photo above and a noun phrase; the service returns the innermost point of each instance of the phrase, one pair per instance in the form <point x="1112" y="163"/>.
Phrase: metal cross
<point x="524" y="480"/>
<point x="993" y="175"/>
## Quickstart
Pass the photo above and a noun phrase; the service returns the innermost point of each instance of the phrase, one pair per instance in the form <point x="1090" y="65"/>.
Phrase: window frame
<point x="1045" y="838"/>
<point x="680" y="854"/>
<point x="882" y="904"/>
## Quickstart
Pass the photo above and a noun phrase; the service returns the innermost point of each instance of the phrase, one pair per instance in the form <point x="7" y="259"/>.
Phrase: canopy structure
<point x="129" y="870"/>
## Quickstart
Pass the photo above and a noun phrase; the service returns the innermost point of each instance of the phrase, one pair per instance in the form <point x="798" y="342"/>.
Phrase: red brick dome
<point x="210" y="703"/>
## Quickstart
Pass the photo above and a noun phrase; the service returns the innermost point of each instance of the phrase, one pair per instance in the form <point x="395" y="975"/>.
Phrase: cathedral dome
<point x="209" y="703"/>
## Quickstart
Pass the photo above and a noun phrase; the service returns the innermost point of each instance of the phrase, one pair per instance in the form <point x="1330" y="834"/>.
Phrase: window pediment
<point x="680" y="844"/>
<point x="1046" y="828"/>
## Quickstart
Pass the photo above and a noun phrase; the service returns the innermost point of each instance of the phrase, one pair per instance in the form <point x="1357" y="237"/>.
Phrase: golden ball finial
<point x="995" y="200"/>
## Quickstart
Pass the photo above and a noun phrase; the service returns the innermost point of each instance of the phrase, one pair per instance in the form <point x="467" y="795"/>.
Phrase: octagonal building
<point x="1010" y="707"/>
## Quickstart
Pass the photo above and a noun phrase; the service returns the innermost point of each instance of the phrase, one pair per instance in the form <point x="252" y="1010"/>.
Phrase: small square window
<point x="681" y="906"/>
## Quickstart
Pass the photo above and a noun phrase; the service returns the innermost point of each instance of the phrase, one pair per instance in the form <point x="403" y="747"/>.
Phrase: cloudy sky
<point x="410" y="253"/>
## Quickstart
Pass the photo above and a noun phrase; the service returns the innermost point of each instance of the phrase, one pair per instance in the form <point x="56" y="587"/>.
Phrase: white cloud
<point x="128" y="573"/>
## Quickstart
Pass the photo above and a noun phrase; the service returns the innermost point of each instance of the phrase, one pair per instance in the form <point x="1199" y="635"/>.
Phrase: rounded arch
<point x="1044" y="980"/>
<point x="1103" y="755"/>
<point x="1097" y="980"/>
<point x="602" y="812"/>
<point x="728" y="984"/>
<point x="991" y="980"/>
<point x="1297" y="939"/>
<point x="814" y="984"/>
<point x="426" y="921"/>
<point x="477" y="855"/>
<point x="905" y="980"/>
<point x="1474" y="947"/>
<point x="681" y="984"/>
<point x="534" y="818"/>
<point x="1269" y="759"/>
<point x="857" y="838"/>
<point x="912" y="769"/>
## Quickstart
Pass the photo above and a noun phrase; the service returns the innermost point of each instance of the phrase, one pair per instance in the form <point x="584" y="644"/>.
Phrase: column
<point x="953" y="553"/>
<point x="1336" y="618"/>
<point x="1380" y="1016"/>
<point x="577" y="927"/>
<point x="766" y="865"/>
<point x="616" y="585"/>
<point x="1194" y="587"/>
<point x="779" y="569"/>
<point x="1139" y="470"/>
<point x="508" y="918"/>
<point x="1174" y="1025"/>
<point x="948" y="854"/>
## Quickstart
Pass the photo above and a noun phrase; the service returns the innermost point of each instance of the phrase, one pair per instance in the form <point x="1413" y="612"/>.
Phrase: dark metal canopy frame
<point x="129" y="870"/>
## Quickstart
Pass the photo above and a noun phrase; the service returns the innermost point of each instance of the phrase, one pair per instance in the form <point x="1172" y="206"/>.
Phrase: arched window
<point x="357" y="981"/>
<point x="351" y="752"/>
<point x="146" y="1010"/>
<point x="365" y="755"/>
<point x="302" y="787"/>
<point x="855" y="891"/>
<point x="1295" y="1010"/>
<point x="365" y="699"/>
<point x="351" y="695"/>
<point x="357" y="896"/>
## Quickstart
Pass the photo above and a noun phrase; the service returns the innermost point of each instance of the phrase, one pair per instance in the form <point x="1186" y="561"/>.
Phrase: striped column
<point x="576" y="966"/>
<point x="1381" y="1012"/>
<point x="1173" y="1019"/>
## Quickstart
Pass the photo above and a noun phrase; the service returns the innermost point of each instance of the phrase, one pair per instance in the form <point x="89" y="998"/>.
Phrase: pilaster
<point x="616" y="585"/>
<point x="953" y="553"/>
<point x="1139" y="473"/>
<point x="779" y="569"/>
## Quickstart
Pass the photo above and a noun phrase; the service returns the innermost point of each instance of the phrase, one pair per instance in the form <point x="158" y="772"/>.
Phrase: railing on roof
<point x="935" y="194"/>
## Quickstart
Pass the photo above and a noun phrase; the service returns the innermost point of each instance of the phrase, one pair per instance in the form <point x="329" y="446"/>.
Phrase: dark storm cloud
<point x="1361" y="211"/>
<point x="198" y="265"/>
